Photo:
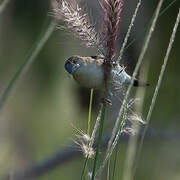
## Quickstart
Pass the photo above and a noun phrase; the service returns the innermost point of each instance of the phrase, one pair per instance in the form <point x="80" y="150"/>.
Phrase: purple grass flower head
<point x="112" y="12"/>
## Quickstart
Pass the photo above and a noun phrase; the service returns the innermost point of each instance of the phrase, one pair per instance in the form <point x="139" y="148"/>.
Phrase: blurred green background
<point x="37" y="120"/>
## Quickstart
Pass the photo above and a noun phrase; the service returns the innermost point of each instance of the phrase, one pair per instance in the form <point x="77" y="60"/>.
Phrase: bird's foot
<point x="106" y="101"/>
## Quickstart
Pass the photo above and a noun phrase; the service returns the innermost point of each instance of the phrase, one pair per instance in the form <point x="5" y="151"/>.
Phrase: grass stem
<point x="84" y="168"/>
<point x="37" y="47"/>
<point x="133" y="140"/>
<point x="88" y="133"/>
<point x="159" y="81"/>
<point x="129" y="31"/>
<point x="115" y="162"/>
<point x="3" y="5"/>
<point x="103" y="115"/>
<point x="90" y="112"/>
<point x="146" y="27"/>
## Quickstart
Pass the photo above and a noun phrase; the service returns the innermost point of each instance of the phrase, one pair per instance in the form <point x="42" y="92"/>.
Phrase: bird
<point x="89" y="72"/>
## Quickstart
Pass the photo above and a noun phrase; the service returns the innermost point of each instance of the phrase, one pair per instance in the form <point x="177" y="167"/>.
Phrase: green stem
<point x="103" y="115"/>
<point x="145" y="30"/>
<point x="166" y="8"/>
<point x="3" y="5"/>
<point x="84" y="168"/>
<point x="88" y="132"/>
<point x="115" y="161"/>
<point x="109" y="170"/>
<point x="158" y="85"/>
<point x="37" y="47"/>
<point x="90" y="111"/>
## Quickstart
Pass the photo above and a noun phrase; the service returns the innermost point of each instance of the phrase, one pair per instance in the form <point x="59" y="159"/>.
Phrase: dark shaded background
<point x="39" y="116"/>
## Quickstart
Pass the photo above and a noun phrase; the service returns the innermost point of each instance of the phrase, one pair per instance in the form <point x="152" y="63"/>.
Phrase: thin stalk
<point x="37" y="47"/>
<point x="115" y="136"/>
<point x="103" y="115"/>
<point x="95" y="128"/>
<point x="167" y="7"/>
<point x="88" y="132"/>
<point x="3" y="5"/>
<point x="133" y="140"/>
<point x="109" y="170"/>
<point x="84" y="168"/>
<point x="109" y="153"/>
<point x="145" y="29"/>
<point x="159" y="81"/>
<point x="90" y="112"/>
<point x="115" y="162"/>
<point x="129" y="31"/>
<point x="92" y="138"/>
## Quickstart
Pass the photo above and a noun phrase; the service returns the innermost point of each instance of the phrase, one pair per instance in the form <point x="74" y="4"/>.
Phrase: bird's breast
<point x="90" y="76"/>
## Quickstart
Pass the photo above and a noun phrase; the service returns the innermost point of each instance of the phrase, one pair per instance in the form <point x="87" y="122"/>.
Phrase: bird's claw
<point x="106" y="101"/>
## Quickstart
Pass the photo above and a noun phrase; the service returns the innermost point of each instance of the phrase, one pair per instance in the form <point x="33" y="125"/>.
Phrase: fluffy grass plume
<point x="76" y="21"/>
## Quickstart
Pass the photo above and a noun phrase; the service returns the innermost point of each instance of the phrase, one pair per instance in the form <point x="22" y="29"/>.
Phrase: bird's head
<point x="73" y="64"/>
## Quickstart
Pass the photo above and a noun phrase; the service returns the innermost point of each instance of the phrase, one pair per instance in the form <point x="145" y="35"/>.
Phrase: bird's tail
<point x="137" y="83"/>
